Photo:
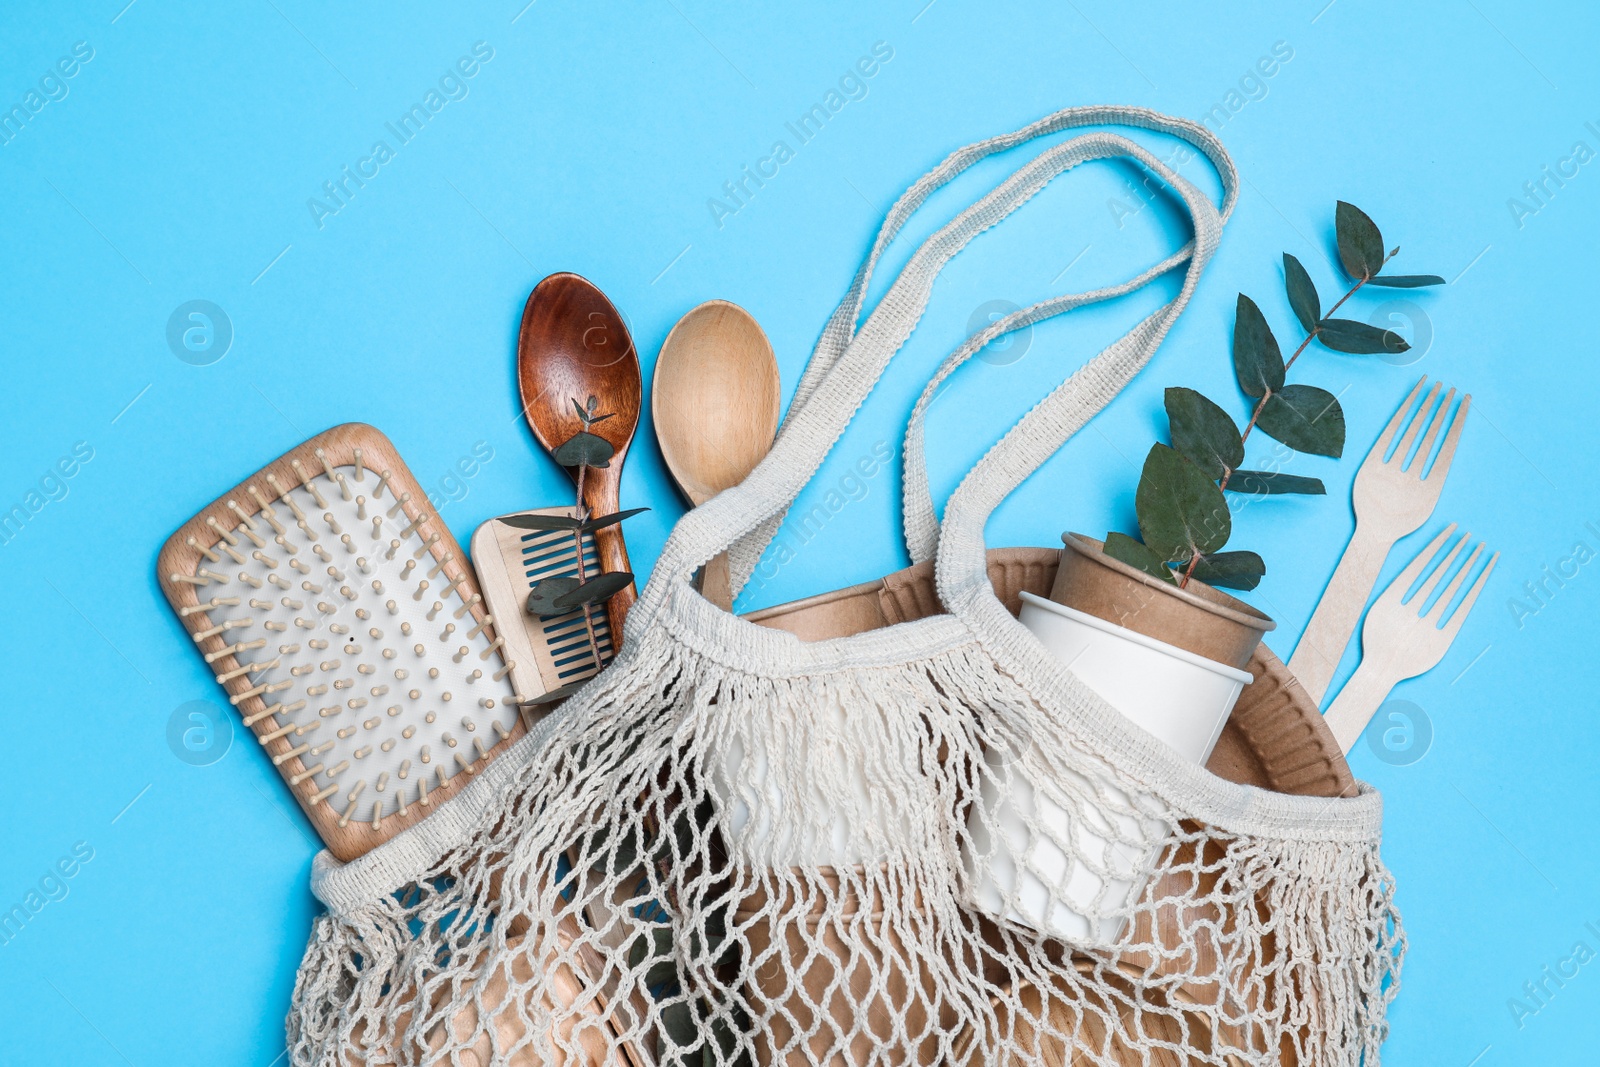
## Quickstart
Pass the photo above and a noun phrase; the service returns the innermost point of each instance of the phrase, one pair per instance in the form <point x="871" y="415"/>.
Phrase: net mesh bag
<point x="920" y="844"/>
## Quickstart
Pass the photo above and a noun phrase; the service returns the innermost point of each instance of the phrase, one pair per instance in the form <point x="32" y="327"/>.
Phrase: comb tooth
<point x="349" y="545"/>
<point x="203" y="550"/>
<point x="425" y="755"/>
<point x="292" y="728"/>
<point x="377" y="814"/>
<point x="408" y="733"/>
<point x="283" y="494"/>
<point x="478" y="746"/>
<point x="299" y="566"/>
<point x="421" y="590"/>
<point x="433" y="612"/>
<point x="278" y="581"/>
<point x="307" y="483"/>
<point x="360" y="476"/>
<point x="251" y="720"/>
<point x="449" y="628"/>
<point x="474" y="676"/>
<point x="501" y="730"/>
<point x="444" y="560"/>
<point x="405" y="572"/>
<point x="220" y="579"/>
<point x="249" y="523"/>
<point x="388" y="746"/>
<point x="344" y="486"/>
<point x="509" y="666"/>
<point x="383" y="480"/>
<point x="487" y="703"/>
<point x="443" y="776"/>
<point x="496" y="643"/>
<point x="422" y="790"/>
<point x="293" y="753"/>
<point x="310" y="772"/>
<point x="216" y="526"/>
<point x="326" y="746"/>
<point x="461" y="654"/>
<point x="364" y="567"/>
<point x="405" y="769"/>
<point x="287" y="650"/>
<point x="251" y="580"/>
<point x="468" y="605"/>
<point x="382" y="783"/>
<point x="416" y="524"/>
<point x="318" y="798"/>
<point x="248" y="668"/>
<point x="189" y="579"/>
<point x="481" y="627"/>
<point x="448" y="739"/>
<point x="394" y="546"/>
<point x="230" y="624"/>
<point x="255" y="538"/>
<point x="327" y="465"/>
<point x="377" y="528"/>
<point x="400" y="798"/>
<point x="322" y="553"/>
<point x="356" y="791"/>
<point x="465" y="763"/>
<point x="427" y="546"/>
<point x="241" y="646"/>
<point x="261" y="557"/>
<point x="333" y="524"/>
<point x="399" y="504"/>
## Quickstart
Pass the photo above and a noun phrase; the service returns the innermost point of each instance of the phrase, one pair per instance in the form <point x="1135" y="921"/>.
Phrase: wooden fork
<point x="1392" y="499"/>
<point x="1399" y="640"/>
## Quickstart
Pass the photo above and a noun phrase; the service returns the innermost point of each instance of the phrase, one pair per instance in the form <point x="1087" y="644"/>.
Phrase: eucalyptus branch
<point x="1184" y="517"/>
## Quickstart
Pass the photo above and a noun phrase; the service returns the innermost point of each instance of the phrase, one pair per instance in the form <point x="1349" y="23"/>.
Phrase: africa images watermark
<point x="52" y="88"/>
<point x="1252" y="86"/>
<point x="338" y="193"/>
<point x="51" y="486"/>
<point x="1537" y="593"/>
<point x="1553" y="978"/>
<point x="852" y="85"/>
<point x="1539" y="192"/>
<point x="801" y="528"/>
<point x="53" y="886"/>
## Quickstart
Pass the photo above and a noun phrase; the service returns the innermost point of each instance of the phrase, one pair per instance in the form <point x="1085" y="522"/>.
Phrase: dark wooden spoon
<point x="574" y="345"/>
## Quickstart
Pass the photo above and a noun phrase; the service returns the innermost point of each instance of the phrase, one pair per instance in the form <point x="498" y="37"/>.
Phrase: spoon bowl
<point x="573" y="345"/>
<point x="715" y="401"/>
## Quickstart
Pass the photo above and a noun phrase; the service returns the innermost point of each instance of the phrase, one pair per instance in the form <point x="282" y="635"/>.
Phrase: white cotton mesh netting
<point x="644" y="892"/>
<point x="920" y="845"/>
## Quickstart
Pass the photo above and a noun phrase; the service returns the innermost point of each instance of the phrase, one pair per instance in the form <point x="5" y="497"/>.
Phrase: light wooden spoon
<point x="715" y="403"/>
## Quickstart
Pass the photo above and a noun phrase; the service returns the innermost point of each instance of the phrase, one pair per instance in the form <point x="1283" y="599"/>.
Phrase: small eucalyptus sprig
<point x="1184" y="519"/>
<point x="582" y="451"/>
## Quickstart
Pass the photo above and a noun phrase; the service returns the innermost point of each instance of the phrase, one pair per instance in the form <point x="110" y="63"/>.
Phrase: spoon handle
<point x="600" y="496"/>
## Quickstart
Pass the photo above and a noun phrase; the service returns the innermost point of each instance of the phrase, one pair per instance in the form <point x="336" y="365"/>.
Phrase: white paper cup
<point x="1077" y="881"/>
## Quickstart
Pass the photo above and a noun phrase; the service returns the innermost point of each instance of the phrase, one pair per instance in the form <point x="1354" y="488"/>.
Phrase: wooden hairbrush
<point x="348" y="630"/>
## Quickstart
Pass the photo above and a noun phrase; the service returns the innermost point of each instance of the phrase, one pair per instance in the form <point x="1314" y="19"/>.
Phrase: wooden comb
<point x="348" y="630"/>
<point x="552" y="655"/>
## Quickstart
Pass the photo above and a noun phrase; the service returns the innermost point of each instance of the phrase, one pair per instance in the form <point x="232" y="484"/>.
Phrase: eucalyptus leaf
<point x="1272" y="483"/>
<point x="1302" y="293"/>
<point x="1231" y="570"/>
<point x="1257" y="360"/>
<point x="544" y="598"/>
<point x="584" y="449"/>
<point x="555" y="696"/>
<point x="1120" y="546"/>
<point x="1305" y="418"/>
<point x="1360" y="243"/>
<point x="583" y="412"/>
<point x="1359" y="338"/>
<point x="1203" y="432"/>
<point x="677" y="1019"/>
<point x="1406" y="281"/>
<point x="1181" y="511"/>
<point x="601" y="588"/>
<point x="600" y="522"/>
<point x="541" y="522"/>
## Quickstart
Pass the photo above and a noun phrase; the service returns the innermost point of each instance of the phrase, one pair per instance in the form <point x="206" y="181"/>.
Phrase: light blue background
<point x="179" y="165"/>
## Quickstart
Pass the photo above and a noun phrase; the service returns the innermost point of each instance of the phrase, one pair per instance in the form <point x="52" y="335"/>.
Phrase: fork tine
<point x="1399" y="458"/>
<point x="1454" y="626"/>
<point x="1437" y="614"/>
<point x="1439" y="413"/>
<point x="1437" y="573"/>
<point x="1397" y="588"/>
<point x="1447" y="451"/>
<point x="1381" y="449"/>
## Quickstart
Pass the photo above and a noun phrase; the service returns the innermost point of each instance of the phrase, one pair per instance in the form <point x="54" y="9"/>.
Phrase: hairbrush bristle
<point x="358" y="608"/>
